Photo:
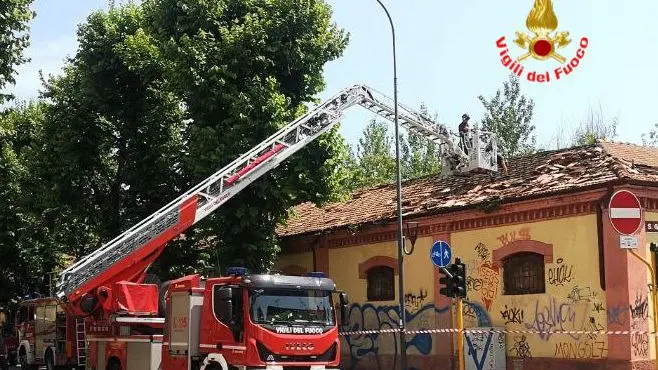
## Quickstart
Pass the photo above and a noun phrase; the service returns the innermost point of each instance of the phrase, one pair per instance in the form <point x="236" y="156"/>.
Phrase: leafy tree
<point x="14" y="38"/>
<point x="375" y="156"/>
<point x="595" y="127"/>
<point x="374" y="162"/>
<point x="651" y="138"/>
<point x="508" y="114"/>
<point x="112" y="134"/>
<point x="243" y="70"/>
<point x="25" y="257"/>
<point x="421" y="155"/>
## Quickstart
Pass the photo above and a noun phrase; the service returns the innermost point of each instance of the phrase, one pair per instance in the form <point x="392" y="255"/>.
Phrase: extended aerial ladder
<point x="87" y="284"/>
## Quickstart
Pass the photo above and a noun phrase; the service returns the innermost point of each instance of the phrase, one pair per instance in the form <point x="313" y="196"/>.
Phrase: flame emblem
<point x="542" y="21"/>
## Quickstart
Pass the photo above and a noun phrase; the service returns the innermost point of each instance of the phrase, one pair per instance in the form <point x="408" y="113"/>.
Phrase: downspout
<point x="314" y="249"/>
<point x="600" y="204"/>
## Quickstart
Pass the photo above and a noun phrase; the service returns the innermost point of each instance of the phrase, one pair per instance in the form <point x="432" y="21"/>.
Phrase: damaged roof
<point x="540" y="174"/>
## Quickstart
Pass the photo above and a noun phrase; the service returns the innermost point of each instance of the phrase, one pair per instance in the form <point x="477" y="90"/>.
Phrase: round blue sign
<point x="440" y="253"/>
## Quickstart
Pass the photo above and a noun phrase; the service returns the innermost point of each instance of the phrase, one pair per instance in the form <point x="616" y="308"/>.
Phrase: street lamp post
<point x="403" y="316"/>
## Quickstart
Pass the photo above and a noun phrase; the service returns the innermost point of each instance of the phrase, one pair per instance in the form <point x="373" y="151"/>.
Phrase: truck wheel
<point x="162" y="294"/>
<point x="113" y="364"/>
<point x="50" y="360"/>
<point x="22" y="358"/>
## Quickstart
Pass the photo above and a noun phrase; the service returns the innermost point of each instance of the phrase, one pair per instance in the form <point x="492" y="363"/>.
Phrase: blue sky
<point x="447" y="56"/>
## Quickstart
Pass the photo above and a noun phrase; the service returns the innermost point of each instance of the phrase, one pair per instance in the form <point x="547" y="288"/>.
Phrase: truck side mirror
<point x="344" y="301"/>
<point x="224" y="305"/>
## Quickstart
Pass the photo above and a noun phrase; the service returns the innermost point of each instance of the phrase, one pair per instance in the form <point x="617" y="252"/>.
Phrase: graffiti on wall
<point x="640" y="307"/>
<point x="560" y="274"/>
<point x="512" y="315"/>
<point x="558" y="316"/>
<point x="476" y="314"/>
<point x="640" y="344"/>
<point x="579" y="294"/>
<point x="514" y="235"/>
<point x="568" y="305"/>
<point x="521" y="348"/>
<point x="482" y="251"/>
<point x="371" y="317"/>
<point x="617" y="315"/>
<point x="580" y="350"/>
<point x="479" y="345"/>
<point x="490" y="276"/>
<point x="413" y="302"/>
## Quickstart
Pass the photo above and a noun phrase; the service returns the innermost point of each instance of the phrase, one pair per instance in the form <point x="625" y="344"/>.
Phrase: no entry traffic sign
<point x="625" y="212"/>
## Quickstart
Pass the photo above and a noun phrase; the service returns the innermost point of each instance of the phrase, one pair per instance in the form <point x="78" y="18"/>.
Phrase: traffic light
<point x="447" y="281"/>
<point x="459" y="278"/>
<point x="455" y="285"/>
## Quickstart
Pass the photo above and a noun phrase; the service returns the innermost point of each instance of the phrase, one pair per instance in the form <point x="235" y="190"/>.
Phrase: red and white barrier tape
<point x="484" y="331"/>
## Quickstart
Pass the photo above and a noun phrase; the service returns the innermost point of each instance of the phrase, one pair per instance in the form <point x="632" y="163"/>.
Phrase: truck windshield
<point x="288" y="306"/>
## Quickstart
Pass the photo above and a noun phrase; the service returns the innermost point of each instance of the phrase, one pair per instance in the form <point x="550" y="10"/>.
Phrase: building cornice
<point x="536" y="210"/>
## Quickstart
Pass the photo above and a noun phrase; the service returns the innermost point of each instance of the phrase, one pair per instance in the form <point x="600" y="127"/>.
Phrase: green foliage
<point x="14" y="38"/>
<point x="595" y="127"/>
<point x="375" y="156"/>
<point x="374" y="162"/>
<point x="157" y="97"/>
<point x="421" y="156"/>
<point x="25" y="258"/>
<point x="113" y="135"/>
<point x="243" y="70"/>
<point x="509" y="114"/>
<point x="651" y="138"/>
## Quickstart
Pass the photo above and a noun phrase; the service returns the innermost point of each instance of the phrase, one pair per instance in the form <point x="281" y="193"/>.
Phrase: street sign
<point x="440" y="253"/>
<point x="625" y="212"/>
<point x="628" y="242"/>
<point x="651" y="226"/>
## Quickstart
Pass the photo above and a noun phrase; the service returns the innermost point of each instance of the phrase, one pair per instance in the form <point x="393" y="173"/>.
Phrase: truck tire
<point x="114" y="364"/>
<point x="22" y="358"/>
<point x="13" y="359"/>
<point x="215" y="361"/>
<point x="162" y="294"/>
<point x="50" y="360"/>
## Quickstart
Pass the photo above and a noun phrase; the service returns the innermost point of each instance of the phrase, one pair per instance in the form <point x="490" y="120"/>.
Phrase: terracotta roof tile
<point x="539" y="174"/>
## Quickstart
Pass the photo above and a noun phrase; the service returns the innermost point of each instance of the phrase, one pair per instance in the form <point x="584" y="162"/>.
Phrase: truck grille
<point x="268" y="356"/>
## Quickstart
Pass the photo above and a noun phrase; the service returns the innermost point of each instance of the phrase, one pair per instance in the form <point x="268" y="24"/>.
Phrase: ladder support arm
<point x="127" y="256"/>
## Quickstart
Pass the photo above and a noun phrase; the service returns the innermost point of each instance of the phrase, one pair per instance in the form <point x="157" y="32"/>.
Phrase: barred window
<point x="523" y="273"/>
<point x="381" y="283"/>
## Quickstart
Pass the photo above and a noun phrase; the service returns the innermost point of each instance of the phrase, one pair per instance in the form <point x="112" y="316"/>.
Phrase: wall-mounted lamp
<point x="412" y="234"/>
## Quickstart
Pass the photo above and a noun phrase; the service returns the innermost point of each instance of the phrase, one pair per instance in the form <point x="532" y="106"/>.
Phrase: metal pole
<point x="403" y="314"/>
<point x="460" y="334"/>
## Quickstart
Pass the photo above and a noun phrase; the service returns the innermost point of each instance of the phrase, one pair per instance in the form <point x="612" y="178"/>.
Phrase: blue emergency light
<point x="237" y="271"/>
<point x="316" y="274"/>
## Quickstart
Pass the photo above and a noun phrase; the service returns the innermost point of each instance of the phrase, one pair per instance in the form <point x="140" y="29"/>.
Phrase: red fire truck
<point x="8" y="340"/>
<point x="241" y="320"/>
<point x="47" y="335"/>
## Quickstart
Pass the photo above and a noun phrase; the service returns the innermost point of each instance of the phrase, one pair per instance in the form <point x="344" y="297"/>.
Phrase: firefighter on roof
<point x="465" y="142"/>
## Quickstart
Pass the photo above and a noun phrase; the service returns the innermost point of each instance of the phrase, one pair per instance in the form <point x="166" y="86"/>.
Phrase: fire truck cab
<point x="262" y="321"/>
<point x="8" y="340"/>
<point x="238" y="321"/>
<point x="46" y="335"/>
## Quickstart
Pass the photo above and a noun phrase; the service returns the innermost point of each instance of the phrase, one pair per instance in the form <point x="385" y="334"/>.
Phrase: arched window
<point x="523" y="273"/>
<point x="381" y="283"/>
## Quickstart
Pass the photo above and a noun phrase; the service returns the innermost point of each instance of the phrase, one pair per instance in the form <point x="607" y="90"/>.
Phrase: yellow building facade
<point x="548" y="272"/>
